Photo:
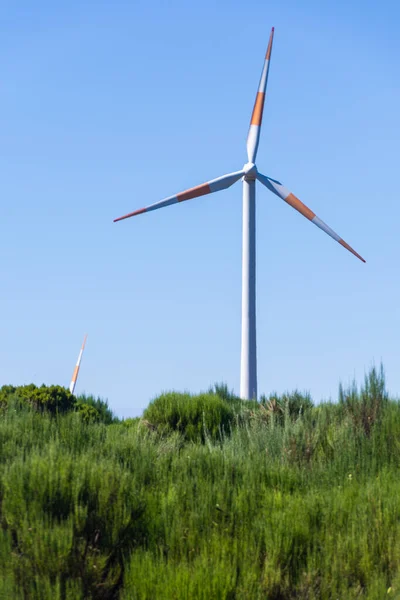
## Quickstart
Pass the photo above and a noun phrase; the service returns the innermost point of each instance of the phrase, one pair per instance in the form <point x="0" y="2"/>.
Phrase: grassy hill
<point x="204" y="497"/>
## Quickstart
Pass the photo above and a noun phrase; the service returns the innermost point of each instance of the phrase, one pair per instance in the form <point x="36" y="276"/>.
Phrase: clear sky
<point x="109" y="106"/>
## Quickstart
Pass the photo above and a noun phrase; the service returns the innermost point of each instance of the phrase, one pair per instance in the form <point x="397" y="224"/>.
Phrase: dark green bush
<point x="88" y="413"/>
<point x="6" y="393"/>
<point x="195" y="417"/>
<point x="101" y="411"/>
<point x="53" y="399"/>
<point x="70" y="519"/>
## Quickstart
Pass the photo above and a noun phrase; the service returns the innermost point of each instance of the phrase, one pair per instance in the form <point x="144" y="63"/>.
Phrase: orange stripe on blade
<point x="298" y="205"/>
<point x="132" y="214"/>
<point x="269" y="49"/>
<point x="75" y="375"/>
<point x="256" y="117"/>
<point x="350" y="249"/>
<point x="194" y="192"/>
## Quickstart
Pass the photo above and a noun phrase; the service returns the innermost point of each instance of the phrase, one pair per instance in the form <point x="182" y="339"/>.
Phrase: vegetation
<point x="204" y="497"/>
<point x="196" y="418"/>
<point x="54" y="400"/>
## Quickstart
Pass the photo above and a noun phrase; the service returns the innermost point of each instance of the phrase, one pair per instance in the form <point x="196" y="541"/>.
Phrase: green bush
<point x="222" y="390"/>
<point x="70" y="519"/>
<point x="94" y="409"/>
<point x="131" y="422"/>
<point x="241" y="407"/>
<point x="7" y="392"/>
<point x="88" y="413"/>
<point x="367" y="405"/>
<point x="53" y="399"/>
<point x="287" y="406"/>
<point x="195" y="417"/>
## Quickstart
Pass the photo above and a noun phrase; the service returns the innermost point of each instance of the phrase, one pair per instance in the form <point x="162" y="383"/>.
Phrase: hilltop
<point x="204" y="496"/>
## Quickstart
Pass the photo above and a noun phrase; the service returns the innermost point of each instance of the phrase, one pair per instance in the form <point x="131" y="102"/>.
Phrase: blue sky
<point x="108" y="107"/>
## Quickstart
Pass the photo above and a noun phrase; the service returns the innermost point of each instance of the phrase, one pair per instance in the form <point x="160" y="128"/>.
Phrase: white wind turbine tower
<point x="249" y="174"/>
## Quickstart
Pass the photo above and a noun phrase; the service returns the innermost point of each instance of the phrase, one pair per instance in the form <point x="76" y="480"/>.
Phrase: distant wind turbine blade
<point x="76" y="370"/>
<point x="278" y="189"/>
<point x="253" y="136"/>
<point x="215" y="185"/>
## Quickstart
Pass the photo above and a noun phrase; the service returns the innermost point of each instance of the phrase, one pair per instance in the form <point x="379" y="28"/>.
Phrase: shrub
<point x="365" y="407"/>
<point x="6" y="393"/>
<point x="70" y="518"/>
<point x="221" y="390"/>
<point x="131" y="422"/>
<point x="88" y="413"/>
<point x="241" y="407"/>
<point x="54" y="398"/>
<point x="97" y="408"/>
<point x="288" y="406"/>
<point x="195" y="417"/>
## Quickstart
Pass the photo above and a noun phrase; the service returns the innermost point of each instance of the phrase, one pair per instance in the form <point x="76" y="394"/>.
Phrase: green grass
<point x="206" y="497"/>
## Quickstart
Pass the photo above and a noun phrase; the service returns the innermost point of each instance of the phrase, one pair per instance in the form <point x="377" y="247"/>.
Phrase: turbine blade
<point x="253" y="137"/>
<point x="215" y="185"/>
<point x="76" y="370"/>
<point x="278" y="189"/>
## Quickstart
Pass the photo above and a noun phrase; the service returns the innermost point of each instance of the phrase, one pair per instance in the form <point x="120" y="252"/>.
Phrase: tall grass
<point x="269" y="503"/>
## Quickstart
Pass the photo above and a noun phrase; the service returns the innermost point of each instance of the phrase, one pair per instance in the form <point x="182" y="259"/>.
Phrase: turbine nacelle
<point x="250" y="171"/>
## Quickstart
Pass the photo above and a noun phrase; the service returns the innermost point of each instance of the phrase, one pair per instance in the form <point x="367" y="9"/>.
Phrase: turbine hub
<point x="250" y="171"/>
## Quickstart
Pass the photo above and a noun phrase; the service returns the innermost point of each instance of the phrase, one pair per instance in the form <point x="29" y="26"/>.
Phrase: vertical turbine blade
<point x="253" y="136"/>
<point x="76" y="370"/>
<point x="279" y="190"/>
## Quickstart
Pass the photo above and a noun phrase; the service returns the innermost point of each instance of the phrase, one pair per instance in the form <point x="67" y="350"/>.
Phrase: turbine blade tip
<point x="273" y="29"/>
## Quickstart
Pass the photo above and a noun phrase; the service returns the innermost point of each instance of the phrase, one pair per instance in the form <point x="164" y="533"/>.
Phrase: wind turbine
<point x="249" y="174"/>
<point x="77" y="366"/>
